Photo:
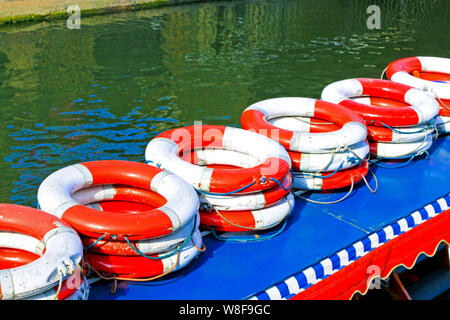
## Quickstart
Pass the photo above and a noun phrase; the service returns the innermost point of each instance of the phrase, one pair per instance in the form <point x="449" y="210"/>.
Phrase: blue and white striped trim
<point x="310" y="276"/>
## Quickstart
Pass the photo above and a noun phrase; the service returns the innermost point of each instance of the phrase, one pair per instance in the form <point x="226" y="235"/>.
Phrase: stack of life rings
<point x="135" y="221"/>
<point x="401" y="120"/>
<point x="40" y="256"/>
<point x="326" y="142"/>
<point x="140" y="221"/>
<point x="243" y="179"/>
<point x="430" y="74"/>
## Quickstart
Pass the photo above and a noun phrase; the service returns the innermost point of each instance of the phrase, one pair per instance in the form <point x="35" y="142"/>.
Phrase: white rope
<point x="60" y="274"/>
<point x="297" y="194"/>
<point x="367" y="183"/>
<point x="382" y="74"/>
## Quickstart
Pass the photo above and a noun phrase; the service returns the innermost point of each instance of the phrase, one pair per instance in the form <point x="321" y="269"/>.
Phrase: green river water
<point x="102" y="92"/>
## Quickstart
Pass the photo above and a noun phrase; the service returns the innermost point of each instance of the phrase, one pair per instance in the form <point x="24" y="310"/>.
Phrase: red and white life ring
<point x="339" y="180"/>
<point x="274" y="163"/>
<point x="13" y="258"/>
<point x="142" y="267"/>
<point x="55" y="197"/>
<point x="351" y="130"/>
<point x="116" y="257"/>
<point x="59" y="245"/>
<point x="430" y="74"/>
<point x="422" y="106"/>
<point x="250" y="219"/>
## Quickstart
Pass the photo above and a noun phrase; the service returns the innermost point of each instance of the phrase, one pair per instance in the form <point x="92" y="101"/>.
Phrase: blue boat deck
<point x="233" y="270"/>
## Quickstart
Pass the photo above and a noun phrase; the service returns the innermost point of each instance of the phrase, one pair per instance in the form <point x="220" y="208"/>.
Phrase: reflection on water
<point x="102" y="92"/>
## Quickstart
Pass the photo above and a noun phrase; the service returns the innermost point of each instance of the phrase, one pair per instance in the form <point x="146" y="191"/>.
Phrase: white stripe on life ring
<point x="326" y="162"/>
<point x="443" y="124"/>
<point x="271" y="216"/>
<point x="402" y="150"/>
<point x="187" y="254"/>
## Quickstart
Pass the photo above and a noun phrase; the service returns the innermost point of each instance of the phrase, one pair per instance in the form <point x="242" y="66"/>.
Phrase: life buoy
<point x="339" y="180"/>
<point x="142" y="267"/>
<point x="250" y="219"/>
<point x="326" y="162"/>
<point x="422" y="106"/>
<point x="431" y="74"/>
<point x="165" y="149"/>
<point x="60" y="247"/>
<point x="55" y="197"/>
<point x="104" y="256"/>
<point x="351" y="130"/>
<point x="402" y="71"/>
